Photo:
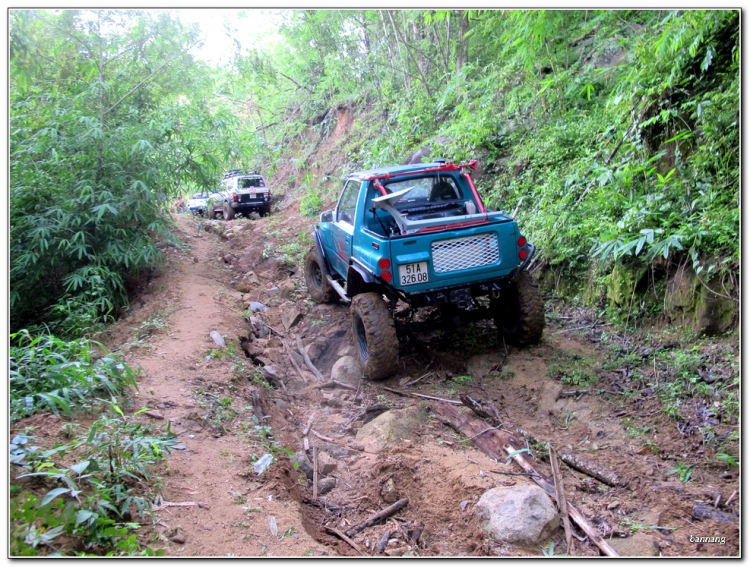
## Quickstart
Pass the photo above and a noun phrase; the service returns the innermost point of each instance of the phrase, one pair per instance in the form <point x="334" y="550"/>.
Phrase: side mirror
<point x="326" y="216"/>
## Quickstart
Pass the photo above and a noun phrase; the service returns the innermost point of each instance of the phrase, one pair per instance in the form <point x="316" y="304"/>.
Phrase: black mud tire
<point x="228" y="212"/>
<point x="265" y="211"/>
<point x="519" y="312"/>
<point x="318" y="286"/>
<point x="374" y="335"/>
<point x="210" y="212"/>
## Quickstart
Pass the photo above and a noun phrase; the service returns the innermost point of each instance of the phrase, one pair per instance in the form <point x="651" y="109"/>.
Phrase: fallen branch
<point x="307" y="360"/>
<point x="336" y="532"/>
<point x="176" y="505"/>
<point x="322" y="437"/>
<point x="414" y="395"/>
<point x="274" y="331"/>
<point x="315" y="473"/>
<point x="562" y="502"/>
<point x="334" y="383"/>
<point x="417" y="380"/>
<point x="374" y="519"/>
<point x="294" y="362"/>
<point x="591" y="468"/>
<point x="578" y="518"/>
<point x="309" y="425"/>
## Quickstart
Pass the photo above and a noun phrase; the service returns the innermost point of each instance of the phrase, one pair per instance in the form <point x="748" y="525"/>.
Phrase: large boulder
<point x="391" y="428"/>
<point x="347" y="370"/>
<point x="521" y="514"/>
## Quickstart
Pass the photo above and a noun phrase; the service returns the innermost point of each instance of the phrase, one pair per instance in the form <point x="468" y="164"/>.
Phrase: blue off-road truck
<point x="421" y="234"/>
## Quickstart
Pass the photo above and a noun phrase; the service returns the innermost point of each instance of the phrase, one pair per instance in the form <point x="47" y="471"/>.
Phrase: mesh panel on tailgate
<point x="464" y="253"/>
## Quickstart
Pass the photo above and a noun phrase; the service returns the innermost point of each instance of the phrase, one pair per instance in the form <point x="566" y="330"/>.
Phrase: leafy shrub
<point x="49" y="373"/>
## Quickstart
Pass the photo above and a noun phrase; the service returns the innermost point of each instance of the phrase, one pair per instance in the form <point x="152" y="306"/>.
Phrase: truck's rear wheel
<point x="317" y="285"/>
<point x="374" y="336"/>
<point x="210" y="214"/>
<point x="228" y="212"/>
<point x="519" y="312"/>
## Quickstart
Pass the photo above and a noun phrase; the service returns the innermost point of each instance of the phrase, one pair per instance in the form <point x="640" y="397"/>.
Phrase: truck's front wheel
<point x="374" y="334"/>
<point x="519" y="312"/>
<point x="317" y="285"/>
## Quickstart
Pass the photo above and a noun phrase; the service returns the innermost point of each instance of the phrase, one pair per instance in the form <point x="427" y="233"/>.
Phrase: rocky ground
<point x="375" y="444"/>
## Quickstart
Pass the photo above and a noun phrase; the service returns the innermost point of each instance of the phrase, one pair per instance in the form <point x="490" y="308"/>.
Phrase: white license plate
<point x="410" y="274"/>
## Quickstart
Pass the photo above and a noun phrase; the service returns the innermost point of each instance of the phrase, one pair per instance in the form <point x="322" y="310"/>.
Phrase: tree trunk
<point x="462" y="45"/>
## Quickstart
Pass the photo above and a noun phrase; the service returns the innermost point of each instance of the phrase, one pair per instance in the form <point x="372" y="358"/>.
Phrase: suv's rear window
<point x="425" y="190"/>
<point x="251" y="182"/>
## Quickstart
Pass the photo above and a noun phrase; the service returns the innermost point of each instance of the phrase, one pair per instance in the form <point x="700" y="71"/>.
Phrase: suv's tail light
<point x="522" y="241"/>
<point x="235" y="198"/>
<point x="386" y="277"/>
<point x="522" y="253"/>
<point x="384" y="263"/>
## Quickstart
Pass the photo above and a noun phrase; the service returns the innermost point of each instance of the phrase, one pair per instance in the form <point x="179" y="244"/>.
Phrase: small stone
<point x="260" y="329"/>
<point x="256" y="306"/>
<point x="271" y="371"/>
<point x="251" y="278"/>
<point x="389" y="492"/>
<point x="243" y="287"/>
<point x="613" y="505"/>
<point x="195" y="260"/>
<point x="286" y="288"/>
<point x="153" y="414"/>
<point x="217" y="338"/>
<point x="326" y="464"/>
<point x="325" y="485"/>
<point x="520" y="514"/>
<point x="179" y="447"/>
<point x="291" y="318"/>
<point x="179" y="538"/>
<point x="463" y="505"/>
<point x="305" y="466"/>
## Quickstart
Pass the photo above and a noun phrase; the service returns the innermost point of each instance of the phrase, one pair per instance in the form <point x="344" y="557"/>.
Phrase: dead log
<point x="383" y="543"/>
<point x="492" y="441"/>
<point x="309" y="425"/>
<point x="307" y="360"/>
<point x="476" y="407"/>
<point x="375" y="518"/>
<point x="590" y="467"/>
<point x="334" y="383"/>
<point x="322" y="437"/>
<point x="703" y="511"/>
<point x="337" y="533"/>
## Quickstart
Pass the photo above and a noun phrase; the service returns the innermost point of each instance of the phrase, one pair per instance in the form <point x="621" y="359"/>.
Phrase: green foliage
<point x="48" y="373"/>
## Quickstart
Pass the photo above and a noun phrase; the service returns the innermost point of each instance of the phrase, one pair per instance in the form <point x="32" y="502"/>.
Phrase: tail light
<point x="386" y="277"/>
<point x="522" y="241"/>
<point x="522" y="253"/>
<point x="384" y="263"/>
<point x="235" y="198"/>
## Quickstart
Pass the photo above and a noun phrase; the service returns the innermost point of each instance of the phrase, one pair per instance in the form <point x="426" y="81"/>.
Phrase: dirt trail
<point x="209" y="470"/>
<point x="208" y="394"/>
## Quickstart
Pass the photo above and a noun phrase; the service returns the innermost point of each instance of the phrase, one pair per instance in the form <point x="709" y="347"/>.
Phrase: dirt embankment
<point x="227" y="417"/>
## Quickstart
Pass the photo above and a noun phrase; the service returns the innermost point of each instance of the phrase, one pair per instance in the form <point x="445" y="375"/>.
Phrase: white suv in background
<point x="241" y="193"/>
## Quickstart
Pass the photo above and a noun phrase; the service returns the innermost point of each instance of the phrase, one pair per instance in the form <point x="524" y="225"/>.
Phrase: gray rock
<point x="217" y="338"/>
<point x="250" y="278"/>
<point x="291" y="318"/>
<point x="391" y="428"/>
<point x="282" y="404"/>
<point x="521" y="514"/>
<point x="271" y="371"/>
<point x="256" y="306"/>
<point x="325" y="485"/>
<point x="153" y="414"/>
<point x="305" y="466"/>
<point x="346" y="369"/>
<point x="260" y="329"/>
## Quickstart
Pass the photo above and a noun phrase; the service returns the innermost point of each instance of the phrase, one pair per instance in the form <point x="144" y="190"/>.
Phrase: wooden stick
<point x="562" y="502"/>
<point x="309" y="425"/>
<point x="730" y="498"/>
<point x="412" y="394"/>
<point x="294" y="362"/>
<point x="305" y="444"/>
<point x="175" y="504"/>
<point x="374" y="519"/>
<point x="343" y="537"/>
<point x="307" y="360"/>
<point x="417" y="380"/>
<point x="578" y="518"/>
<point x="322" y="437"/>
<point x="274" y="330"/>
<point x="315" y="473"/>
<point x="334" y="383"/>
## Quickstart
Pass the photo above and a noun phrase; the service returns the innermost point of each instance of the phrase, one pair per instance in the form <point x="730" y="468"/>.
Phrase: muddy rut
<point x="221" y="406"/>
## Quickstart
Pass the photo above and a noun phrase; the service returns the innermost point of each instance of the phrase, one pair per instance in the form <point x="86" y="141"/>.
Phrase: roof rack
<point x="236" y="172"/>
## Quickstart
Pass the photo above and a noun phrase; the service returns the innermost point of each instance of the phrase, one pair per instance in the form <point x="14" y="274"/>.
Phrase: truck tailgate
<point x="454" y="257"/>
